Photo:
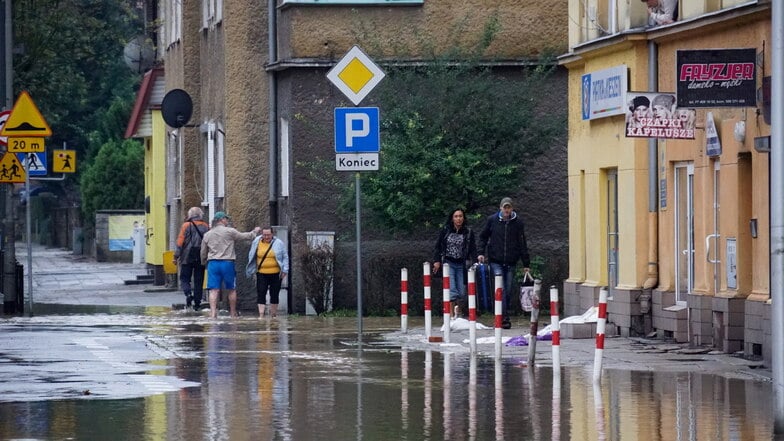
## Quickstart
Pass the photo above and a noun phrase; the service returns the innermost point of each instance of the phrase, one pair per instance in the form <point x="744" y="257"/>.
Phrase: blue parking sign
<point x="357" y="130"/>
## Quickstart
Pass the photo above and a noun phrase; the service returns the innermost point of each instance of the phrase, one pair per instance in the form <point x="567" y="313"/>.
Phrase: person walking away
<point x="217" y="252"/>
<point x="502" y="241"/>
<point x="188" y="256"/>
<point x="456" y="246"/>
<point x="269" y="261"/>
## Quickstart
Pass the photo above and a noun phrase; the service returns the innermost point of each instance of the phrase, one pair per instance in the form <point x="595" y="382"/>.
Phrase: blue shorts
<point x="221" y="272"/>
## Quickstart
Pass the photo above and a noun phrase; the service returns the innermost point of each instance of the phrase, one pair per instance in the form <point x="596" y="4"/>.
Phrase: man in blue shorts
<point x="217" y="253"/>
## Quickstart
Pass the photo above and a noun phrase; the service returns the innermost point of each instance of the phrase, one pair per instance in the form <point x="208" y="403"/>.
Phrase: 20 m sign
<point x="26" y="145"/>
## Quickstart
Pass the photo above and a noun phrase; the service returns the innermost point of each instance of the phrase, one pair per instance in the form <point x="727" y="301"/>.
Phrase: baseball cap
<point x="220" y="215"/>
<point x="506" y="201"/>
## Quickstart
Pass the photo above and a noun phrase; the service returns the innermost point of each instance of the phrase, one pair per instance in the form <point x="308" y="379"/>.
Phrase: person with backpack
<point x="188" y="256"/>
<point x="455" y="246"/>
<point x="502" y="241"/>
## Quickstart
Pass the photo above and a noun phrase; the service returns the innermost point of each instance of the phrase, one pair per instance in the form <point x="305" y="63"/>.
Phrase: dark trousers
<point x="271" y="282"/>
<point x="195" y="272"/>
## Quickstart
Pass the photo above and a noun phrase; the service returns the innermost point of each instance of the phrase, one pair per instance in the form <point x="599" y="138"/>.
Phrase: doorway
<point x="684" y="230"/>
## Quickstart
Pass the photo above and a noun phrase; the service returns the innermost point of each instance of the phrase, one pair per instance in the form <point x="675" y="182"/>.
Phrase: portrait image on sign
<point x="655" y="115"/>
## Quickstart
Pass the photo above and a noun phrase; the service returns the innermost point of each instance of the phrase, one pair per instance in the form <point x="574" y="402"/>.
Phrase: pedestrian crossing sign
<point x="11" y="170"/>
<point x="64" y="161"/>
<point x="35" y="163"/>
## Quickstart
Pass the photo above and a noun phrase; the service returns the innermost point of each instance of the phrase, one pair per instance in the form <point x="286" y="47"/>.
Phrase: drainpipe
<point x="653" y="215"/>
<point x="272" y="56"/>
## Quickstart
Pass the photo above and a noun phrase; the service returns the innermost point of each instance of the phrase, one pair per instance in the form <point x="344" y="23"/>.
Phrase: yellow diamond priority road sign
<point x="355" y="75"/>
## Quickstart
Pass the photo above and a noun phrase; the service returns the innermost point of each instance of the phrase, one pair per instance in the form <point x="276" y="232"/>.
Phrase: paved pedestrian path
<point x="60" y="277"/>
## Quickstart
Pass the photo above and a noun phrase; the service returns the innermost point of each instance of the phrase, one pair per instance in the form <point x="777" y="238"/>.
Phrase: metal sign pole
<point x="29" y="243"/>
<point x="359" y="259"/>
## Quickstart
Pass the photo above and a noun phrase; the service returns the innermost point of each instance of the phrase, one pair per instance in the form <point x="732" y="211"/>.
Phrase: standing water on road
<point x="184" y="377"/>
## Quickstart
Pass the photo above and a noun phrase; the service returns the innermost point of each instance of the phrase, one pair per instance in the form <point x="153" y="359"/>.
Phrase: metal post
<point x="359" y="258"/>
<point x="29" y="312"/>
<point x="777" y="212"/>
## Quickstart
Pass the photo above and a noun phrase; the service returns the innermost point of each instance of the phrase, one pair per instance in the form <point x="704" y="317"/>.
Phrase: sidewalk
<point x="60" y="277"/>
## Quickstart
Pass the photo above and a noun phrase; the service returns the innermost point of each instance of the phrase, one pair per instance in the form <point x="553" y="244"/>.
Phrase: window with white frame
<point x="284" y="157"/>
<point x="220" y="137"/>
<point x="214" y="164"/>
<point x="173" y="19"/>
<point x="211" y="13"/>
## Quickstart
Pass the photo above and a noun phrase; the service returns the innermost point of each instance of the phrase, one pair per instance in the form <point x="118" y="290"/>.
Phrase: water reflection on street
<point x="301" y="378"/>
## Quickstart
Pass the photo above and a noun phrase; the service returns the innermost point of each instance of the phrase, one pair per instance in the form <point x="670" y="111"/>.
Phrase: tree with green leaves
<point x="69" y="56"/>
<point x="455" y="135"/>
<point x="115" y="179"/>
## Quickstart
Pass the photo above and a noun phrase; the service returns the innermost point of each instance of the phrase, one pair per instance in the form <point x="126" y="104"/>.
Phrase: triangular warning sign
<point x="25" y="119"/>
<point x="11" y="169"/>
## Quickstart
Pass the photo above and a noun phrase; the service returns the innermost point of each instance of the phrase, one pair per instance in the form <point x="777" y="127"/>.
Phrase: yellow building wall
<point x="155" y="189"/>
<point x="743" y="176"/>
<point x="595" y="147"/>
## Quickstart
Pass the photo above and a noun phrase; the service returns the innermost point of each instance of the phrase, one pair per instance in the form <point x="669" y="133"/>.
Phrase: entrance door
<point x="712" y="242"/>
<point x="684" y="230"/>
<point x="612" y="231"/>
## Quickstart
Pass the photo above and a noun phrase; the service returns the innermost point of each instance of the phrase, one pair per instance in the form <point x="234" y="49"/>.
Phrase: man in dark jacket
<point x="503" y="242"/>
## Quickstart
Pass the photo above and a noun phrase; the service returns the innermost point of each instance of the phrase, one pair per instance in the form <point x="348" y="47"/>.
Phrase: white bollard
<point x="472" y="309"/>
<point x="447" y="306"/>
<point x="601" y="324"/>
<point x="556" y="328"/>
<point x="499" y="313"/>
<point x="404" y="300"/>
<point x="428" y="301"/>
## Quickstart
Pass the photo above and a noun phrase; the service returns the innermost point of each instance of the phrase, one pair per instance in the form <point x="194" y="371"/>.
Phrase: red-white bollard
<point x="447" y="305"/>
<point x="499" y="313"/>
<point x="556" y="328"/>
<point x="404" y="300"/>
<point x="428" y="302"/>
<point x="472" y="309"/>
<point x="601" y="323"/>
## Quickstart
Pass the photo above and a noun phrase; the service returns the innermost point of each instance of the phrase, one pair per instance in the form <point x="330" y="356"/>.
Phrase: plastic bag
<point x="527" y="298"/>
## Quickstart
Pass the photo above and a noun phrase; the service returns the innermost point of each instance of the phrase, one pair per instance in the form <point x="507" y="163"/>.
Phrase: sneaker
<point x="188" y="301"/>
<point x="506" y="323"/>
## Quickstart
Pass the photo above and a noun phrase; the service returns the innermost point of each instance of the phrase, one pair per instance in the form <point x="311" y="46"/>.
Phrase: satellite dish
<point x="139" y="54"/>
<point x="176" y="108"/>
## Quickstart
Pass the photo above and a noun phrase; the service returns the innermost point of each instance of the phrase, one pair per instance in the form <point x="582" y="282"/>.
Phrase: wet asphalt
<point x="62" y="281"/>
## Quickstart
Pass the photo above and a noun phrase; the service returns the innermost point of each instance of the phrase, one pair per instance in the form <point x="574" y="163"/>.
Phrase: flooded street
<point x="175" y="376"/>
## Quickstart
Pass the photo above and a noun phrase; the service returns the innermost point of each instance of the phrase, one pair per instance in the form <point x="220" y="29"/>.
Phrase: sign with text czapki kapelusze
<point x="717" y="78"/>
<point x="603" y="92"/>
<point x="654" y="115"/>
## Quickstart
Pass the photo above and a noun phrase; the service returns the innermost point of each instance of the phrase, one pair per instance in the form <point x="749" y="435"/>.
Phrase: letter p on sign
<point x="357" y="130"/>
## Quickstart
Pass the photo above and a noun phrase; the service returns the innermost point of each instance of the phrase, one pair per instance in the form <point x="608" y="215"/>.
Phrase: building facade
<point x="675" y="225"/>
<point x="263" y="106"/>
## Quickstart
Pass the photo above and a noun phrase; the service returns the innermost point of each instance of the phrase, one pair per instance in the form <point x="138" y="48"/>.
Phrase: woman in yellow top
<point x="269" y="261"/>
